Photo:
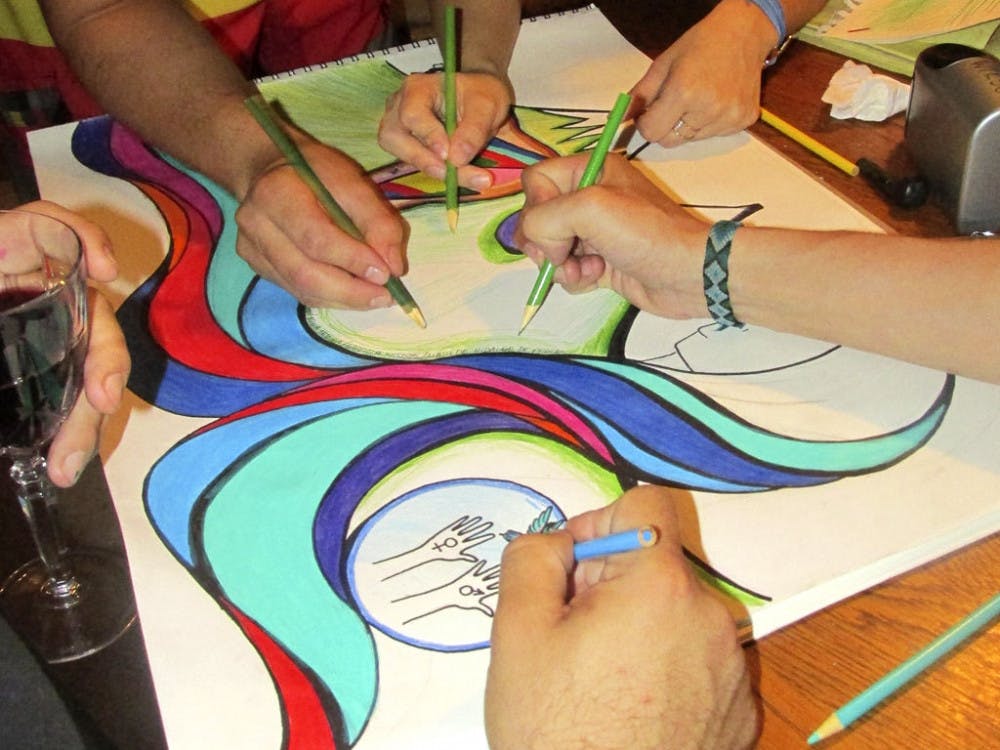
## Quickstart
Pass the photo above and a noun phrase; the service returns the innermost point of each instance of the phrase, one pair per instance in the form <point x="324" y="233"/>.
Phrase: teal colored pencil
<point x="261" y="111"/>
<point x="866" y="700"/>
<point x="614" y="544"/>
<point x="450" y="114"/>
<point x="590" y="173"/>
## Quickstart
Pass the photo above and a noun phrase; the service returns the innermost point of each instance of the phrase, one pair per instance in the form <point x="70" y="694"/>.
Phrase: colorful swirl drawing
<point x="320" y="453"/>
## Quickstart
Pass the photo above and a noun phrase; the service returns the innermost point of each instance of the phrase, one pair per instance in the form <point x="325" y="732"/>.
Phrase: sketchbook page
<point x="288" y="480"/>
<point x="889" y="21"/>
<point x="896" y="57"/>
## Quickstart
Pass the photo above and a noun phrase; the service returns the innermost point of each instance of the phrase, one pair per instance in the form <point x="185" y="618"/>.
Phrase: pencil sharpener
<point x="953" y="132"/>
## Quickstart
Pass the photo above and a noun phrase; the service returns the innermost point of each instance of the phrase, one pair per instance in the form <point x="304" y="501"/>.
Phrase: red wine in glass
<point x="67" y="603"/>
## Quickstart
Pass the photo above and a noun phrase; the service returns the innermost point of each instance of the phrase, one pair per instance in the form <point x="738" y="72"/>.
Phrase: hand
<point x="412" y="127"/>
<point x="708" y="82"/>
<point x="107" y="365"/>
<point x="288" y="238"/>
<point x="628" y="651"/>
<point x="623" y="233"/>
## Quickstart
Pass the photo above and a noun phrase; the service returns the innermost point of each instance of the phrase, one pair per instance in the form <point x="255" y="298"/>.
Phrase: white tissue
<point x="856" y="92"/>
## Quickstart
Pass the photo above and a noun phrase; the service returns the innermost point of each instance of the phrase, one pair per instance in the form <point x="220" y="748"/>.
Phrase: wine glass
<point x="65" y="603"/>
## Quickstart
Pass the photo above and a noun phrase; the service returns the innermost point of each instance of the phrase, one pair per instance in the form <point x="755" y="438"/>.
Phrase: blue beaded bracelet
<point x="776" y="15"/>
<point x="716" y="273"/>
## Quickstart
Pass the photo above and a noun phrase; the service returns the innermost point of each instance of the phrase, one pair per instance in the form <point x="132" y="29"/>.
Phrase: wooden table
<point x="808" y="669"/>
<point x="802" y="672"/>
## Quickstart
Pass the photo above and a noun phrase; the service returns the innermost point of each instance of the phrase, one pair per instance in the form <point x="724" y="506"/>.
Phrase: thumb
<point x="534" y="583"/>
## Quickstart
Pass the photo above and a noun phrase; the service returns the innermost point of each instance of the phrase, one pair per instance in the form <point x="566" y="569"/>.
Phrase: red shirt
<point x="261" y="36"/>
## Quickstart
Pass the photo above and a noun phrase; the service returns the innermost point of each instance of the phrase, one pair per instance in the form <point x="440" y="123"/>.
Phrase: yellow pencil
<point x="809" y="142"/>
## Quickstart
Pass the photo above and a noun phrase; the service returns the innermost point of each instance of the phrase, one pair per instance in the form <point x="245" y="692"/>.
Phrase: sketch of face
<point x="697" y="346"/>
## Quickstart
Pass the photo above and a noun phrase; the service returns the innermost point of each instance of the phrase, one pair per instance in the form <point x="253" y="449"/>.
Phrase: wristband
<point x="776" y="15"/>
<point x="715" y="273"/>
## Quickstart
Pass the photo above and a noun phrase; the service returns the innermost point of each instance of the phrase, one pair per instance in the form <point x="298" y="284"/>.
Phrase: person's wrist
<point x="715" y="273"/>
<point x="749" y="26"/>
<point x="775" y="14"/>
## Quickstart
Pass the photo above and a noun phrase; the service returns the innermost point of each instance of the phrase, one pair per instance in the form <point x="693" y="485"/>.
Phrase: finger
<point x="382" y="227"/>
<point x="101" y="263"/>
<point x="75" y="443"/>
<point x="484" y="105"/>
<point x="105" y="374"/>
<point x="659" y="122"/>
<point x="283" y="224"/>
<point x="552" y="177"/>
<point x="412" y="132"/>
<point x="402" y="144"/>
<point x="647" y="505"/>
<point x="268" y="249"/>
<point x="419" y="108"/>
<point x="534" y="576"/>
<point x="647" y="89"/>
<point x="107" y="366"/>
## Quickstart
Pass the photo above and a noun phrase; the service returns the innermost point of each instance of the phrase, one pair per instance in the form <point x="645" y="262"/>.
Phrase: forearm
<point x="928" y="301"/>
<point x="157" y="70"/>
<point x="488" y="31"/>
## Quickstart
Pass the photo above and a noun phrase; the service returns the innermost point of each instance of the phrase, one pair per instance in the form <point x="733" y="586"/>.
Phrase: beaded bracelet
<point x="776" y="15"/>
<point x="716" y="273"/>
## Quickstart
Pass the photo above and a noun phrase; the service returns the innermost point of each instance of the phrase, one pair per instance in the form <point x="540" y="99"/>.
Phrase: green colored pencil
<point x="262" y="112"/>
<point x="590" y="173"/>
<point x="450" y="114"/>
<point x="866" y="700"/>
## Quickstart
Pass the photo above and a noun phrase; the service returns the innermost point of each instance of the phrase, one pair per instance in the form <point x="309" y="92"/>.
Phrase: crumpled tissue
<point x="856" y="92"/>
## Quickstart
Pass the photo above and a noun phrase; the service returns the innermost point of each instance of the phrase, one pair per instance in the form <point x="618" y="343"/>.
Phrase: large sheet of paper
<point x="314" y="501"/>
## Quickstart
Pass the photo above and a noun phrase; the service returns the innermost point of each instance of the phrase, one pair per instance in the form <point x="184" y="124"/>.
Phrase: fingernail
<point x="380" y="301"/>
<point x="437" y="172"/>
<point x="73" y="465"/>
<point x="376" y="275"/>
<point x="481" y="181"/>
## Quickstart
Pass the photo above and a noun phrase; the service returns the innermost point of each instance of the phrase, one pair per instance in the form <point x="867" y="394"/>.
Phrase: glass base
<point x="61" y="629"/>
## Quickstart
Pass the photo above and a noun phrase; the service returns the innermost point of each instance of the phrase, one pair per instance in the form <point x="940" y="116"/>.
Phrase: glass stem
<point x="37" y="497"/>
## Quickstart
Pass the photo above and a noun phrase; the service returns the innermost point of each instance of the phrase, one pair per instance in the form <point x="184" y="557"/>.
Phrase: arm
<point x="708" y="82"/>
<point x="928" y="301"/>
<point x="153" y="67"/>
<point x="629" y="651"/>
<point x="413" y="128"/>
<point x="106" y="367"/>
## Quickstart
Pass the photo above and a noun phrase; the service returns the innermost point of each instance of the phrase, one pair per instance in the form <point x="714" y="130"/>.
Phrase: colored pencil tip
<point x="830" y="726"/>
<point x="529" y="313"/>
<point x="416" y="316"/>
<point x="453" y="219"/>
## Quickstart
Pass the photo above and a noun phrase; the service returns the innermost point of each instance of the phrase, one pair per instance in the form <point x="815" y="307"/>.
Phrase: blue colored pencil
<point x="866" y="700"/>
<point x="623" y="541"/>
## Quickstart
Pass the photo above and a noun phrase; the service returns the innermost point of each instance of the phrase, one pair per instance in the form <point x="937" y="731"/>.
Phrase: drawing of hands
<point x="451" y="543"/>
<point x="468" y="591"/>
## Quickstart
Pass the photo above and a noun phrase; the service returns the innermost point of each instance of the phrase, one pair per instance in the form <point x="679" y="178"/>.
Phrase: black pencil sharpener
<point x="953" y="133"/>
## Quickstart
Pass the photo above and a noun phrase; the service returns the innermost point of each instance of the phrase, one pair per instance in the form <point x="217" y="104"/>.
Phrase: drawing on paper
<point x="375" y="472"/>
